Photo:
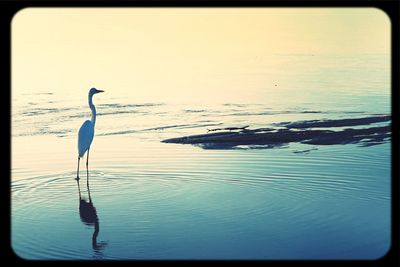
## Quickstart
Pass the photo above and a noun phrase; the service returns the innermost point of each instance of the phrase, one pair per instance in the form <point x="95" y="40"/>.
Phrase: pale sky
<point x="147" y="52"/>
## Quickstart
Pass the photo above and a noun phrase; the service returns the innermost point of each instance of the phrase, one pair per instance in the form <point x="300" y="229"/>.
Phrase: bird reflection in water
<point x="88" y="214"/>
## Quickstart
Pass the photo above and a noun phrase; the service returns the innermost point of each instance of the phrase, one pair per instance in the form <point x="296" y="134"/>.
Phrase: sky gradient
<point x="178" y="53"/>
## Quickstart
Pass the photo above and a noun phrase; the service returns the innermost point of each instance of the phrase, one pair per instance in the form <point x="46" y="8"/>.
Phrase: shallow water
<point x="173" y="201"/>
<point x="168" y="201"/>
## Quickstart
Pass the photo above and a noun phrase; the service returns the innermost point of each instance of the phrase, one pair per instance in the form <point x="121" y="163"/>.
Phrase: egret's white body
<point x="86" y="132"/>
<point x="85" y="137"/>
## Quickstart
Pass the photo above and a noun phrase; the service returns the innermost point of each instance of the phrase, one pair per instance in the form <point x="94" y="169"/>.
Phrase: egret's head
<point x="93" y="91"/>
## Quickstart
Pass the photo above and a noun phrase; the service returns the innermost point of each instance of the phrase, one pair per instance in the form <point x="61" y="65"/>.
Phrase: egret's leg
<point x="77" y="172"/>
<point x="87" y="167"/>
<point x="79" y="189"/>
<point x="88" y="189"/>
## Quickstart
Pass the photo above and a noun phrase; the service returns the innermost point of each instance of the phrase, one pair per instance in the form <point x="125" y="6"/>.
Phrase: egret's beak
<point x="99" y="91"/>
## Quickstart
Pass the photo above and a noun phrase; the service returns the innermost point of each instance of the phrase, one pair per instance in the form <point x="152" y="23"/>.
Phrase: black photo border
<point x="9" y="8"/>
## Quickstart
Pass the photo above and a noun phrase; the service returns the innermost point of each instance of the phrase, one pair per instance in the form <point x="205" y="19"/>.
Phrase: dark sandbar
<point x="295" y="132"/>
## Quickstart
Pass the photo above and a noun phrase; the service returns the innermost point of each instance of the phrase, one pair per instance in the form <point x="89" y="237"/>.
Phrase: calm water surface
<point x="151" y="200"/>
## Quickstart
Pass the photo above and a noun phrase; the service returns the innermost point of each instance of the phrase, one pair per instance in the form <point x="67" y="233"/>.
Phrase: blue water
<point x="151" y="200"/>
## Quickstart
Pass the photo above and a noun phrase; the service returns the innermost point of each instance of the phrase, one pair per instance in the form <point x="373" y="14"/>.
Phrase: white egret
<point x="86" y="134"/>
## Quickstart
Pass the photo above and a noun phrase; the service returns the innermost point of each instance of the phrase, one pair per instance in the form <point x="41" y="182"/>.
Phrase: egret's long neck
<point x="93" y="108"/>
